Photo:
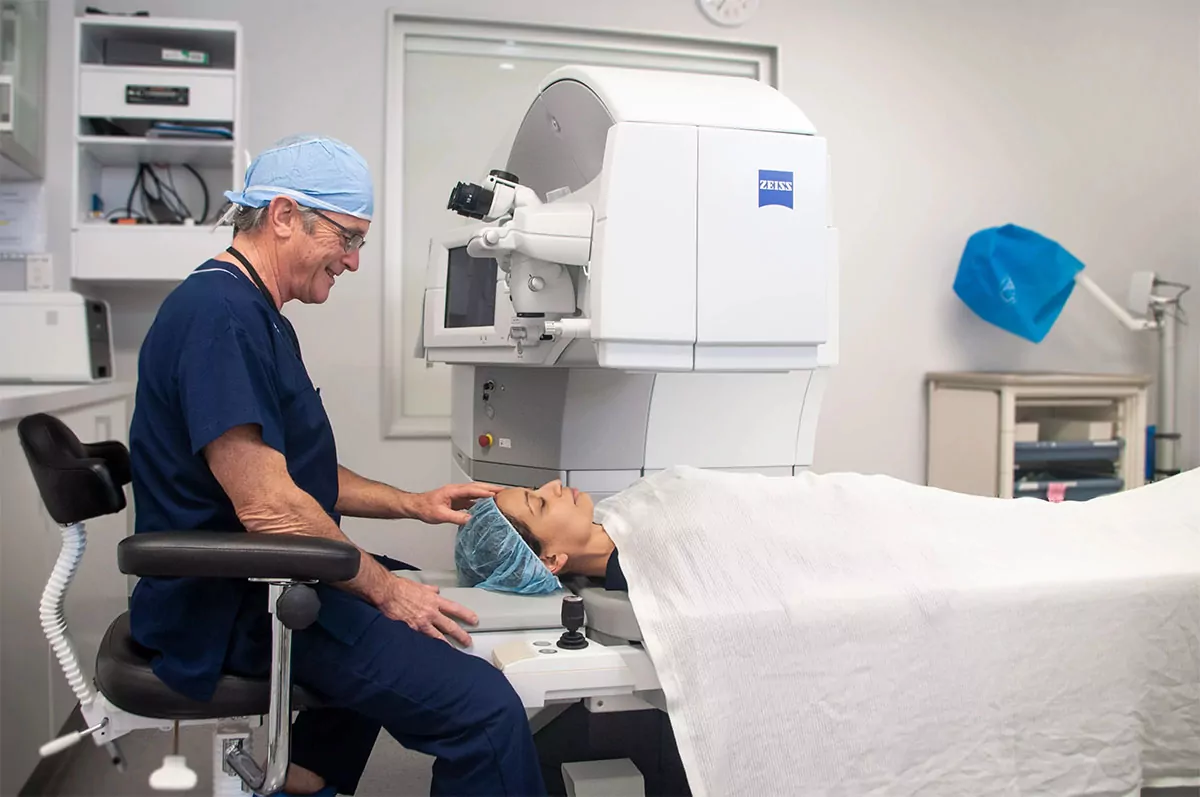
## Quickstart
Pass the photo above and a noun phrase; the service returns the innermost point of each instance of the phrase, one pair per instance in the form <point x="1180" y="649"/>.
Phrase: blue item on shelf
<point x="1072" y="489"/>
<point x="1151" y="451"/>
<point x="1016" y="279"/>
<point x="1067" y="451"/>
<point x="176" y="130"/>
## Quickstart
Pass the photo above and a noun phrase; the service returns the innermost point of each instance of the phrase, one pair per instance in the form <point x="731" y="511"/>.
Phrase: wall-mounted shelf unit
<point x="159" y="138"/>
<point x="1041" y="435"/>
<point x="24" y="30"/>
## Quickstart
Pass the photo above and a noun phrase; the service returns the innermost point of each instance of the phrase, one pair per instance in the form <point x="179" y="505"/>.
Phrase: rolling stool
<point x="78" y="482"/>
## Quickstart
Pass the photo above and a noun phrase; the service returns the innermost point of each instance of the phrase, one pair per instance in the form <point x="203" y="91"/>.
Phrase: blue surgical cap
<point x="316" y="171"/>
<point x="489" y="554"/>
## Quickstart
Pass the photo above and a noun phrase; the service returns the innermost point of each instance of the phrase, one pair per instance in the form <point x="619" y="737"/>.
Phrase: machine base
<point x="644" y="737"/>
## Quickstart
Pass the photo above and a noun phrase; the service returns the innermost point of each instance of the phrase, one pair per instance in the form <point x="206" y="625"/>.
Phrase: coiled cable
<point x="53" y="616"/>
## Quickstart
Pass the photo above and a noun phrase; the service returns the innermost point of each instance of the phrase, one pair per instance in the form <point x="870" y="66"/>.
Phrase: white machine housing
<point x="54" y="337"/>
<point x="649" y="280"/>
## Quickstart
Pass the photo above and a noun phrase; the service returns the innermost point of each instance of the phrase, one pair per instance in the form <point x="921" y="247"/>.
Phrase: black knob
<point x="506" y="176"/>
<point x="572" y="619"/>
<point x="297" y="607"/>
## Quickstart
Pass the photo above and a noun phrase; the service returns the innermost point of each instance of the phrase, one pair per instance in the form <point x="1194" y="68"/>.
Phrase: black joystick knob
<point x="572" y="619"/>
<point x="297" y="607"/>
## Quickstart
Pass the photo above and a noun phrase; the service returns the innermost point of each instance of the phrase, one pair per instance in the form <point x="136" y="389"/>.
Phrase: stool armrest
<point x="237" y="554"/>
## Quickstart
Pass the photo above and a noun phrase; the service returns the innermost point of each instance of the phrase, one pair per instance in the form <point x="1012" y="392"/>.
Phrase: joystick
<point x="572" y="619"/>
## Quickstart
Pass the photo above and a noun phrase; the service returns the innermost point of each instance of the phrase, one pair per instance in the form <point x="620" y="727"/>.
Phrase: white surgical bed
<point x="649" y="279"/>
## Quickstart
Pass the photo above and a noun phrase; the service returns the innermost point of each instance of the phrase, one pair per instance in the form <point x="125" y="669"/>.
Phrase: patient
<point x="523" y="540"/>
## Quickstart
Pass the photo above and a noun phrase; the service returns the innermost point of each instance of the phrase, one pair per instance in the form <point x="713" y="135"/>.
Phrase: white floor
<point x="392" y="771"/>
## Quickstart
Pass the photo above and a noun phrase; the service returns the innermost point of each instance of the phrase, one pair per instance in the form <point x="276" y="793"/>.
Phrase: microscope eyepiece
<point x="470" y="200"/>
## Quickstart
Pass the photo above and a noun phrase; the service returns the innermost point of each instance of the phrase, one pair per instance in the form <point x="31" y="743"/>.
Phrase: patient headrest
<point x="489" y="554"/>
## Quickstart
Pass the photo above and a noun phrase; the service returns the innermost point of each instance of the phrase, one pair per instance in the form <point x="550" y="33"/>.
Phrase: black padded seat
<point x="124" y="676"/>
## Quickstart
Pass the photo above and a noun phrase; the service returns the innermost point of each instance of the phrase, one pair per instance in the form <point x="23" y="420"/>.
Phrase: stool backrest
<point x="77" y="481"/>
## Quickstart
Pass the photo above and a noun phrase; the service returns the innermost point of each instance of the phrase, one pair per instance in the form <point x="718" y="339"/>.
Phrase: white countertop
<point x="1038" y="379"/>
<point x="17" y="401"/>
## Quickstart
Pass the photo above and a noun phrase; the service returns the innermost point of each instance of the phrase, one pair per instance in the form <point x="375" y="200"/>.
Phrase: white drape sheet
<point x="858" y="635"/>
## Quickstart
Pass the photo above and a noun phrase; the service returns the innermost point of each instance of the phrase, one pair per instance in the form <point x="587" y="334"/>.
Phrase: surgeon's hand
<point x="421" y="608"/>
<point x="449" y="504"/>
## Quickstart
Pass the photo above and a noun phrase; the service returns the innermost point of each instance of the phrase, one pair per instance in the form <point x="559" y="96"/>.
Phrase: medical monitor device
<point x="650" y="279"/>
<point x="54" y="337"/>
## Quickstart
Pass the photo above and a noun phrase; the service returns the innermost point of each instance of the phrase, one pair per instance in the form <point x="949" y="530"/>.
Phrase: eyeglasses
<point x="351" y="240"/>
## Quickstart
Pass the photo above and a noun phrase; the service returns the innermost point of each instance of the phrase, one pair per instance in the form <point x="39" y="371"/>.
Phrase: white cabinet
<point x="1041" y="435"/>
<point x="159" y="138"/>
<point x="34" y="695"/>
<point x="23" y="35"/>
<point x="27" y="540"/>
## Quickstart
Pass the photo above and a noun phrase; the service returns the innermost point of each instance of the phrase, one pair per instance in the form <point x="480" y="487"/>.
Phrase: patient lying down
<point x="889" y="637"/>
<point x="523" y="540"/>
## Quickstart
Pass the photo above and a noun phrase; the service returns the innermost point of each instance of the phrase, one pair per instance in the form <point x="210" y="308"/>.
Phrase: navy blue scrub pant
<point x="430" y="696"/>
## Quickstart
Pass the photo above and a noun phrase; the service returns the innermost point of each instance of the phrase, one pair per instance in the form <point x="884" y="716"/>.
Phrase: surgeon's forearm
<point x="362" y="497"/>
<point x="293" y="511"/>
<point x="267" y="501"/>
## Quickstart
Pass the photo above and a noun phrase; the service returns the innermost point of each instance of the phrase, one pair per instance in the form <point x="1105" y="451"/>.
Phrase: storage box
<point x="122" y="52"/>
<point x="1027" y="432"/>
<point x="1069" y="429"/>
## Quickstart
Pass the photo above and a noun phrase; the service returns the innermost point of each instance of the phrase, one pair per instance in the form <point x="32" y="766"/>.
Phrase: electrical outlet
<point x="39" y="273"/>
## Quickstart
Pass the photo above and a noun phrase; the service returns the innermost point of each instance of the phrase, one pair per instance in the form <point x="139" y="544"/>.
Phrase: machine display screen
<point x="470" y="290"/>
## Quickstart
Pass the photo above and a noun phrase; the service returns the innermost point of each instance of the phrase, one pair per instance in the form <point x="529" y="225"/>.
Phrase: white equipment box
<point x="54" y="337"/>
<point x="144" y="93"/>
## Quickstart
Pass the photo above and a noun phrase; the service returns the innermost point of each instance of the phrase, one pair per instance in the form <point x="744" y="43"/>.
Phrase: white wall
<point x="1078" y="118"/>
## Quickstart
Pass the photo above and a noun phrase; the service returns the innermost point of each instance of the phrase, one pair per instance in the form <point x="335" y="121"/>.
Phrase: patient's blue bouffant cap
<point x="316" y="171"/>
<point x="490" y="554"/>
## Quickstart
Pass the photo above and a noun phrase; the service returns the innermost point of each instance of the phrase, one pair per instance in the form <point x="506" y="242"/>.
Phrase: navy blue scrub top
<point x="218" y="355"/>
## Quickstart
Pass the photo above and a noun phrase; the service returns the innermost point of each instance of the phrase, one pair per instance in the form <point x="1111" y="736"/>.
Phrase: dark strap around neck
<point x="262" y="288"/>
<point x="254" y="276"/>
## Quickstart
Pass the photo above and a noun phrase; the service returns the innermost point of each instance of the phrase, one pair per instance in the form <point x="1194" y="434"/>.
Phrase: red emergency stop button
<point x="485" y="441"/>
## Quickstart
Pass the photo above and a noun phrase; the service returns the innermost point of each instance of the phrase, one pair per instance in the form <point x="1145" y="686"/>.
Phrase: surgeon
<point x="230" y="434"/>
<point x="521" y="541"/>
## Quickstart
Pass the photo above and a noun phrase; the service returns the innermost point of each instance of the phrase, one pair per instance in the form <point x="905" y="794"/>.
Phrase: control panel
<point x="517" y="417"/>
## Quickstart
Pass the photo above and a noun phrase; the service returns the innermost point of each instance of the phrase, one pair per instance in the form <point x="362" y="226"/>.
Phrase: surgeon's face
<point x="559" y="518"/>
<point x="328" y="251"/>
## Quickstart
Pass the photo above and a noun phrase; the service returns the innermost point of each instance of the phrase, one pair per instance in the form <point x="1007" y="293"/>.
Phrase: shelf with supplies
<point x="113" y="151"/>
<point x="1058" y="437"/>
<point x="159" y="139"/>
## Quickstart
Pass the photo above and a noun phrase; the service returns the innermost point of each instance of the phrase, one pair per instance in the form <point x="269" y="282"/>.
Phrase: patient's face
<point x="559" y="518"/>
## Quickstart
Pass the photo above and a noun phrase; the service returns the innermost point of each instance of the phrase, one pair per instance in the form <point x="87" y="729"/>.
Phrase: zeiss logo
<point x="774" y="188"/>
